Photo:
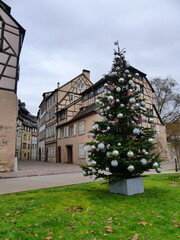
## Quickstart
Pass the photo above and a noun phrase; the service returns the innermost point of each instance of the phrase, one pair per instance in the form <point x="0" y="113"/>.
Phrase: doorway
<point x="69" y="154"/>
<point x="58" y="157"/>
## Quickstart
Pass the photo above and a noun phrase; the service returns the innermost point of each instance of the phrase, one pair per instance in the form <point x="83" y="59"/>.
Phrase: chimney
<point x="58" y="85"/>
<point x="86" y="73"/>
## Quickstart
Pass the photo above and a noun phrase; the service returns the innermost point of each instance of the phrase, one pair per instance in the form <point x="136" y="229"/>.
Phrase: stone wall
<point x="8" y="114"/>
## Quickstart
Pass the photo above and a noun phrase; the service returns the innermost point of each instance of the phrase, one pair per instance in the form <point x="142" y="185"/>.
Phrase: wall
<point x="78" y="139"/>
<point x="8" y="113"/>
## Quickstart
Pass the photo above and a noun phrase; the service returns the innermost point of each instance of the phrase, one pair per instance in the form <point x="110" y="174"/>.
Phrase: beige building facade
<point x="53" y="108"/>
<point x="12" y="35"/>
<point x="73" y="132"/>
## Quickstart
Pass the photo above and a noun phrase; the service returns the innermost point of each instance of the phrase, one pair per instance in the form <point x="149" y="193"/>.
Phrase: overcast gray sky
<point x="65" y="36"/>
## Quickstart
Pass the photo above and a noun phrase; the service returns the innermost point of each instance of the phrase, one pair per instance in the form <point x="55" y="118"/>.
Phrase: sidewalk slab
<point x="13" y="185"/>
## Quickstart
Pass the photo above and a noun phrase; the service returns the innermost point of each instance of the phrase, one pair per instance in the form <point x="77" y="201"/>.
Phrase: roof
<point x="158" y="114"/>
<point x="51" y="93"/>
<point x="7" y="9"/>
<point x="103" y="80"/>
<point x="85" y="111"/>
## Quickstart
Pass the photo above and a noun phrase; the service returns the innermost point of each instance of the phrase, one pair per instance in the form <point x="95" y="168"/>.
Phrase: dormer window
<point x="71" y="97"/>
<point x="80" y="86"/>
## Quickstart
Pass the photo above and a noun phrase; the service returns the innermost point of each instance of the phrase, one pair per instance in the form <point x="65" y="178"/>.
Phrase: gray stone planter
<point x="128" y="186"/>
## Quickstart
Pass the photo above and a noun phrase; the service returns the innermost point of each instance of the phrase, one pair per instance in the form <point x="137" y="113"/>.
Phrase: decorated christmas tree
<point x="123" y="141"/>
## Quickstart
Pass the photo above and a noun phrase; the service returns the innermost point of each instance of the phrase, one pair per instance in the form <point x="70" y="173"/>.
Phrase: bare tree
<point x="166" y="98"/>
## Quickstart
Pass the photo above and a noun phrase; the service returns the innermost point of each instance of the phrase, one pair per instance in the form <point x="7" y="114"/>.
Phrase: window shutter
<point x="81" y="151"/>
<point x="66" y="131"/>
<point x="74" y="134"/>
<point x="81" y="127"/>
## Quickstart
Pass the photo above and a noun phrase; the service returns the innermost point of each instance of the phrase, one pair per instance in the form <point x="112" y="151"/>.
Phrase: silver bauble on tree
<point x="114" y="163"/>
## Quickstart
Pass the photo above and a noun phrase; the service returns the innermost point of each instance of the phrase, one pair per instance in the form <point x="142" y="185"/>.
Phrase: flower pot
<point x="128" y="186"/>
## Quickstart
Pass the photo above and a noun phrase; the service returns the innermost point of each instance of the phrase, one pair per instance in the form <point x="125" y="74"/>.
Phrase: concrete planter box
<point x="128" y="186"/>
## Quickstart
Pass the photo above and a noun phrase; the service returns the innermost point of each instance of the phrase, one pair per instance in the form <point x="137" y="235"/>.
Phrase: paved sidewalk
<point x="34" y="175"/>
<point x="27" y="168"/>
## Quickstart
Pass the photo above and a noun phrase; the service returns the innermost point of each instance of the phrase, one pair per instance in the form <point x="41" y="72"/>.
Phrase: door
<point x="39" y="154"/>
<point x="58" y="155"/>
<point x="69" y="154"/>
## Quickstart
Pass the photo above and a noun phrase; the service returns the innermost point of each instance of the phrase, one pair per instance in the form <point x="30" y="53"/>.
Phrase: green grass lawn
<point x="89" y="211"/>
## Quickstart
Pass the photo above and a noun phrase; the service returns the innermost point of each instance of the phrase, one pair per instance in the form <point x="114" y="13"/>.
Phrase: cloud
<point x="64" y="37"/>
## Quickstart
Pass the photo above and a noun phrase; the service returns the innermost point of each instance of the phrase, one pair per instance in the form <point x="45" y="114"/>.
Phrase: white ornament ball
<point x="132" y="100"/>
<point x="97" y="101"/>
<point x="107" y="169"/>
<point x="105" y="85"/>
<point x="93" y="147"/>
<point x="108" y="108"/>
<point x="126" y="71"/>
<point x="119" y="144"/>
<point x="136" y="131"/>
<point x="84" y="173"/>
<point x="146" y="153"/>
<point x="151" y="120"/>
<point x="143" y="104"/>
<point x="158" y="170"/>
<point x="93" y="162"/>
<point x="110" y="98"/>
<point x="118" y="89"/>
<point x="155" y="165"/>
<point x="94" y="171"/>
<point x="131" y="82"/>
<point x="117" y="100"/>
<point x="144" y="150"/>
<point x="108" y="154"/>
<point x="89" y="153"/>
<point x="114" y="163"/>
<point x="115" y="153"/>
<point x="127" y="64"/>
<point x="101" y="146"/>
<point x="150" y="140"/>
<point x="93" y="135"/>
<point x="108" y="128"/>
<point x="143" y="161"/>
<point x="137" y="74"/>
<point x="130" y="168"/>
<point x="122" y="105"/>
<point x="95" y="126"/>
<point x="120" y="115"/>
<point x="121" y="80"/>
<point x="112" y="74"/>
<point x="144" y="118"/>
<point x="130" y="154"/>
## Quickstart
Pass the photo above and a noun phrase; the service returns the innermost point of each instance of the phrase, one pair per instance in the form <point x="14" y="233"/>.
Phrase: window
<point x="62" y="133"/>
<point x="72" y="130"/>
<point x="71" y="97"/>
<point x="99" y="90"/>
<point x="24" y="145"/>
<point x="139" y="87"/>
<point x="81" y="128"/>
<point x="85" y="97"/>
<point x="62" y="115"/>
<point x="81" y="151"/>
<point x="80" y="86"/>
<point x="25" y="137"/>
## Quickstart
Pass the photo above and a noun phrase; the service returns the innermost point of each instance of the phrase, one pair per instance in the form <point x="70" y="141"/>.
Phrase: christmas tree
<point x="122" y="146"/>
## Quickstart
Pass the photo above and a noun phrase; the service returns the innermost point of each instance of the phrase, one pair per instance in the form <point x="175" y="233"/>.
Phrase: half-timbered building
<point x="73" y="130"/>
<point x="11" y="39"/>
<point x="54" y="109"/>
